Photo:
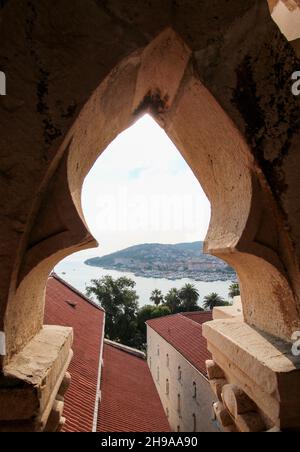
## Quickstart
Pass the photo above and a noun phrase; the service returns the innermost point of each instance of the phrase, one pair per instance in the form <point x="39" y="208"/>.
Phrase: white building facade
<point x="184" y="391"/>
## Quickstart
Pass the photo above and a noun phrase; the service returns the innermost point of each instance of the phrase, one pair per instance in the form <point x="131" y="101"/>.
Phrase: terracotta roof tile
<point x="129" y="400"/>
<point x="198" y="317"/>
<point x="66" y="306"/>
<point x="184" y="333"/>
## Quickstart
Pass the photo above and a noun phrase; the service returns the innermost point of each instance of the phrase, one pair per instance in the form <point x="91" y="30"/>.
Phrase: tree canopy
<point x="120" y="302"/>
<point x="126" y="321"/>
<point x="145" y="313"/>
<point x="173" y="300"/>
<point x="189" y="296"/>
<point x="213" y="300"/>
<point x="234" y="290"/>
<point x="157" y="297"/>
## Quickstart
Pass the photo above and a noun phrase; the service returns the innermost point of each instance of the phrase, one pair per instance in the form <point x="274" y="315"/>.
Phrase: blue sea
<point x="79" y="275"/>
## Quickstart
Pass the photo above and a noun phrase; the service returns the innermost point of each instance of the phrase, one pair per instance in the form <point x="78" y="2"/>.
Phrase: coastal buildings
<point x="182" y="260"/>
<point x="177" y="353"/>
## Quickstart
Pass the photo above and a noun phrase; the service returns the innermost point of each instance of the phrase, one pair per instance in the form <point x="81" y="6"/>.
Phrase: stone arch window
<point x="178" y="428"/>
<point x="255" y="218"/>
<point x="194" y="390"/>
<point x="194" y="423"/>
<point x="150" y="362"/>
<point x="167" y="387"/>
<point x="214" y="148"/>
<point x="168" y="360"/>
<point x="179" y="374"/>
<point x="158" y="351"/>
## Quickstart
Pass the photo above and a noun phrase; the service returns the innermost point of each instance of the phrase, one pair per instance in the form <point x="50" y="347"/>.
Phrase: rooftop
<point x="184" y="333"/>
<point x="198" y="317"/>
<point x="66" y="306"/>
<point x="129" y="400"/>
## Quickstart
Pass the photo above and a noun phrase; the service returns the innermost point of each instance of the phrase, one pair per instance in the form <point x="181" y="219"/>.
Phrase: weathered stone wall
<point x="217" y="79"/>
<point x="55" y="60"/>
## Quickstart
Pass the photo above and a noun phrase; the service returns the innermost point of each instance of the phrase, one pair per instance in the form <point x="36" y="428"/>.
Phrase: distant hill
<point x="153" y="260"/>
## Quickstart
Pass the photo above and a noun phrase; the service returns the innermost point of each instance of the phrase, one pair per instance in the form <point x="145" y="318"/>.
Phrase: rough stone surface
<point x="236" y="401"/>
<point x="214" y="371"/>
<point x="217" y="79"/>
<point x="222" y="415"/>
<point x="261" y="366"/>
<point x="64" y="385"/>
<point x="38" y="372"/>
<point x="250" y="423"/>
<point x="229" y="312"/>
<point x="77" y="93"/>
<point x="55" y="418"/>
<point x="217" y="385"/>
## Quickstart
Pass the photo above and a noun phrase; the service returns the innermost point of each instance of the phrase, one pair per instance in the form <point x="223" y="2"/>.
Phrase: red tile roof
<point x="129" y="400"/>
<point x="66" y="306"/>
<point x="185" y="335"/>
<point x="198" y="317"/>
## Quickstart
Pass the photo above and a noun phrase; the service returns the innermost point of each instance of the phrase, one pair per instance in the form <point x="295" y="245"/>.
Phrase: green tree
<point x="234" y="290"/>
<point x="213" y="300"/>
<point x="157" y="297"/>
<point x="120" y="301"/>
<point x="189" y="296"/>
<point x="173" y="300"/>
<point x="148" y="312"/>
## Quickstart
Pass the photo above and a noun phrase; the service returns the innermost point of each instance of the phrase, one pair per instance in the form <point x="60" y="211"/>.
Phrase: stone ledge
<point x="229" y="312"/>
<point x="36" y="374"/>
<point x="261" y="365"/>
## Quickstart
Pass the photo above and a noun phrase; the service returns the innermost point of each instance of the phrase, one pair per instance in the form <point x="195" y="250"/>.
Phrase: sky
<point x="141" y="190"/>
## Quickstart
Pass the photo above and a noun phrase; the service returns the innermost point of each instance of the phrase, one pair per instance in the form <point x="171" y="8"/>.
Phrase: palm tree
<point x="189" y="296"/>
<point x="213" y="300"/>
<point x="120" y="301"/>
<point x="172" y="300"/>
<point x="234" y="290"/>
<point x="157" y="297"/>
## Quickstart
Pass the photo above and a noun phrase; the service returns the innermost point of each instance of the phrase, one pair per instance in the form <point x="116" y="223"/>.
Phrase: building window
<point x="194" y="390"/>
<point x="150" y="363"/>
<point x="167" y="387"/>
<point x="179" y="404"/>
<point x="168" y="360"/>
<point x="194" y="423"/>
<point x="157" y="374"/>
<point x="179" y="373"/>
<point x="158" y="350"/>
<point x="167" y="412"/>
<point x="178" y="428"/>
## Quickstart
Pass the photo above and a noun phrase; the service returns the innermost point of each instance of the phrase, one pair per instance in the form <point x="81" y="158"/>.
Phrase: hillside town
<point x="185" y="260"/>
